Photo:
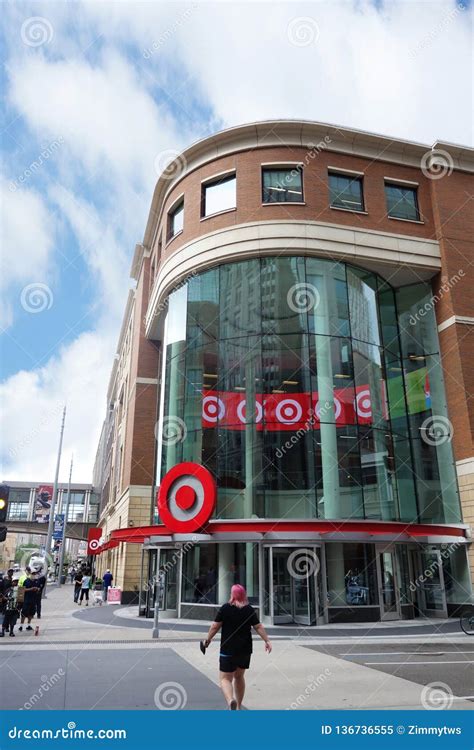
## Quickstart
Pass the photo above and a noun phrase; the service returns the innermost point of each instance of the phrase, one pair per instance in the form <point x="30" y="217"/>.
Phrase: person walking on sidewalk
<point x="236" y="618"/>
<point x="29" y="601"/>
<point x="85" y="586"/>
<point x="107" y="579"/>
<point x="77" y="585"/>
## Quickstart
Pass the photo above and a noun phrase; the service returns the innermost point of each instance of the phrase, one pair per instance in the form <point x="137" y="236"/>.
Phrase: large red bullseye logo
<point x="186" y="498"/>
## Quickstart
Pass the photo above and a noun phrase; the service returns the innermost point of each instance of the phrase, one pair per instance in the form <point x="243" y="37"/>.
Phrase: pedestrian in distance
<point x="72" y="573"/>
<point x="28" y="608"/>
<point x="236" y="618"/>
<point x="107" y="579"/>
<point x="5" y="585"/>
<point x="11" y="611"/>
<point x="85" y="586"/>
<point x="40" y="579"/>
<point x="77" y="585"/>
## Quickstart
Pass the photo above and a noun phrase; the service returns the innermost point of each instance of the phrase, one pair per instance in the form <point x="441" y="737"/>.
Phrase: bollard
<point x="156" y="629"/>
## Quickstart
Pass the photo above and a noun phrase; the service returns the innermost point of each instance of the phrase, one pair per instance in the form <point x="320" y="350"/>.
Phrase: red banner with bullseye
<point x="288" y="411"/>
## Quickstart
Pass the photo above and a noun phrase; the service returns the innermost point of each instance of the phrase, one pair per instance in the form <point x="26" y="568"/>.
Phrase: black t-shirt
<point x="237" y="623"/>
<point x="29" y="595"/>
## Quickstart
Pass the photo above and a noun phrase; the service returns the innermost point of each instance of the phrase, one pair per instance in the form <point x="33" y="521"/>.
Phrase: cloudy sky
<point x="99" y="94"/>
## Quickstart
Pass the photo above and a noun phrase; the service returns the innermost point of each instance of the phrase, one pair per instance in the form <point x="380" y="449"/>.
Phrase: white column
<point x="225" y="575"/>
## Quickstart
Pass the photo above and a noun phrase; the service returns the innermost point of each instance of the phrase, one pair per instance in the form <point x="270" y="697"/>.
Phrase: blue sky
<point x="98" y="94"/>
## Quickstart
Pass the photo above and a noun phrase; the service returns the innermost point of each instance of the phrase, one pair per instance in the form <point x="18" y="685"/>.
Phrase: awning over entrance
<point x="334" y="529"/>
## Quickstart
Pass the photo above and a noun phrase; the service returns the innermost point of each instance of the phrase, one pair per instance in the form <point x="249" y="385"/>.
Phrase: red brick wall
<point x="316" y="195"/>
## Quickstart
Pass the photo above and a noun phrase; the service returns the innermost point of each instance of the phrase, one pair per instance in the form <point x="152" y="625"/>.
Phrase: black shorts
<point x="231" y="662"/>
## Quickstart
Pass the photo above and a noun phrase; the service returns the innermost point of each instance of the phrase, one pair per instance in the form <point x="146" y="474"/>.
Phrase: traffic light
<point x="4" y="493"/>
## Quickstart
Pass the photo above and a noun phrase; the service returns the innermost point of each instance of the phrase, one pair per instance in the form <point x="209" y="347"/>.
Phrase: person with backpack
<point x="236" y="618"/>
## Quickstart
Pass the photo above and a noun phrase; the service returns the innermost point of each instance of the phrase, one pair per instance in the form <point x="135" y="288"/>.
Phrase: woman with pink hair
<point x="236" y="618"/>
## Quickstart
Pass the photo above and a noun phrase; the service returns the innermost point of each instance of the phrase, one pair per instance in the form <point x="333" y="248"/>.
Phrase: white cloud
<point x="111" y="126"/>
<point x="27" y="237"/>
<point x="386" y="70"/>
<point x="32" y="405"/>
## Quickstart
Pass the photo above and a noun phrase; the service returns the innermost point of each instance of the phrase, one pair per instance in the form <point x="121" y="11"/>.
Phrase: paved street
<point x="103" y="657"/>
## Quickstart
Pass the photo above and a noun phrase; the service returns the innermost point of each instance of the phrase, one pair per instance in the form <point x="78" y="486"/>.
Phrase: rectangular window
<point x="200" y="580"/>
<point x="346" y="192"/>
<point x="282" y="184"/>
<point x="219" y="195"/>
<point x="176" y="220"/>
<point x="402" y="202"/>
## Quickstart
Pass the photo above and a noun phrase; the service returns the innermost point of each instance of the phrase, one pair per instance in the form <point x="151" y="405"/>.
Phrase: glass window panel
<point x="371" y="389"/>
<point x="175" y="325"/>
<point x="239" y="305"/>
<point x="219" y="196"/>
<point x="418" y="327"/>
<point x="289" y="474"/>
<point x="240" y="476"/>
<point x="351" y="574"/>
<point x="333" y="393"/>
<point x="18" y="504"/>
<point x="378" y="474"/>
<point x="457" y="581"/>
<point x="362" y="287"/>
<point x="285" y="372"/>
<point x="346" y="192"/>
<point x="327" y="300"/>
<point x="282" y="185"/>
<point x="388" y="320"/>
<point x="199" y="577"/>
<point x="202" y="308"/>
<point x="338" y="469"/>
<point x="285" y="295"/>
<point x="176" y="220"/>
<point x="402" y="202"/>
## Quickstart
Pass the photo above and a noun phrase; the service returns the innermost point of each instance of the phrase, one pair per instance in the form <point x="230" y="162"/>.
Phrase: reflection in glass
<point x="284" y="376"/>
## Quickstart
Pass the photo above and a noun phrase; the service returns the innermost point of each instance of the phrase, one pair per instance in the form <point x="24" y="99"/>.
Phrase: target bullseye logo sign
<point x="186" y="498"/>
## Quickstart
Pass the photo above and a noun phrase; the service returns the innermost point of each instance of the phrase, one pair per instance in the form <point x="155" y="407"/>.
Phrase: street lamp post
<point x="66" y="510"/>
<point x="49" y="537"/>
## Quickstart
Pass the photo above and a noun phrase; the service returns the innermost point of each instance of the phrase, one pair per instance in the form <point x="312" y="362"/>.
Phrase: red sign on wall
<point x="93" y="541"/>
<point x="288" y="411"/>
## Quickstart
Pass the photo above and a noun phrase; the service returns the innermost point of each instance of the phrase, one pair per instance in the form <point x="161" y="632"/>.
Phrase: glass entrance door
<point x="293" y="577"/>
<point x="389" y="593"/>
<point x="166" y="582"/>
<point x="432" y="598"/>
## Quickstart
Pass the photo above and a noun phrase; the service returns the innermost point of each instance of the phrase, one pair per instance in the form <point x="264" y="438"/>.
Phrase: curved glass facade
<point x="307" y="387"/>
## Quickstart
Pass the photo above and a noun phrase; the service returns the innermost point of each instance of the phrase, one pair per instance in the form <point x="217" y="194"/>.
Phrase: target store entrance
<point x="293" y="585"/>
